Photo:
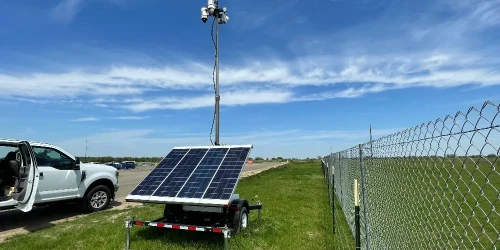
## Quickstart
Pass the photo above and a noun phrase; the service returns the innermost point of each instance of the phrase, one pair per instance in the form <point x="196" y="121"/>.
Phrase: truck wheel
<point x="240" y="220"/>
<point x="96" y="199"/>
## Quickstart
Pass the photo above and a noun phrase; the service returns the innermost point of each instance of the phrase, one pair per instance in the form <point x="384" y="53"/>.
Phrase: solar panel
<point x="173" y="183"/>
<point x="198" y="182"/>
<point x="159" y="173"/>
<point x="194" y="175"/>
<point x="227" y="176"/>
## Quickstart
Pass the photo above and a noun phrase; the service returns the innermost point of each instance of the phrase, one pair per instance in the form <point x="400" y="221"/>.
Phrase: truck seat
<point x="9" y="169"/>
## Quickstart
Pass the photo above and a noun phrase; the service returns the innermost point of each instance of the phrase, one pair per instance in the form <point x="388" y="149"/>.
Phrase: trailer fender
<point x="238" y="204"/>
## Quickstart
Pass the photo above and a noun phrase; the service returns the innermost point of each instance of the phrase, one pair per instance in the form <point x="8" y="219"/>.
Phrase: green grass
<point x="296" y="215"/>
<point x="343" y="235"/>
<point x="427" y="202"/>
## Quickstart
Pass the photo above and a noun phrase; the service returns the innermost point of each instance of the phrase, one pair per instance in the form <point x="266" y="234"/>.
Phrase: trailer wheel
<point x="171" y="211"/>
<point x="240" y="220"/>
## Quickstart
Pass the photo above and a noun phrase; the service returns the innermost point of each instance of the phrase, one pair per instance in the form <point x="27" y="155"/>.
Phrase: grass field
<point x="344" y="238"/>
<point x="429" y="202"/>
<point x="296" y="215"/>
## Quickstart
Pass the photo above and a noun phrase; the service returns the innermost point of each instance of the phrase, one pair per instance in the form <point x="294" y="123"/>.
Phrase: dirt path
<point x="14" y="222"/>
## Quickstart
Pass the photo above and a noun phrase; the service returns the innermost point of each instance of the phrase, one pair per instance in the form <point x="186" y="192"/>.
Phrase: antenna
<point x="85" y="150"/>
<point x="220" y="16"/>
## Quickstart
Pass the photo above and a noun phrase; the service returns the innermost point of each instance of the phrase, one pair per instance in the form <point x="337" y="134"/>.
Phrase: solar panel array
<point x="197" y="175"/>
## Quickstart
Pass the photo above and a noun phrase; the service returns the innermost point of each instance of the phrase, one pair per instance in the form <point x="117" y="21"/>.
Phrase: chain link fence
<point x="432" y="186"/>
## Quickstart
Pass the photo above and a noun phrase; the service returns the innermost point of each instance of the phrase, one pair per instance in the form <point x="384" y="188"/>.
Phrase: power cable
<point x="484" y="57"/>
<point x="213" y="77"/>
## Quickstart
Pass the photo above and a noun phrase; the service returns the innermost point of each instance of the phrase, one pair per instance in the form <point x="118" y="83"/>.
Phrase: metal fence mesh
<point x="432" y="186"/>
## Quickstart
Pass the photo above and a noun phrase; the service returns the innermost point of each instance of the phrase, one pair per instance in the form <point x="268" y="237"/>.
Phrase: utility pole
<point x="220" y="16"/>
<point x="85" y="150"/>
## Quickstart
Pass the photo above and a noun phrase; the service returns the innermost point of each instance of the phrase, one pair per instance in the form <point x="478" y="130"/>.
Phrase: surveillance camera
<point x="204" y="14"/>
<point x="223" y="19"/>
<point x="212" y="4"/>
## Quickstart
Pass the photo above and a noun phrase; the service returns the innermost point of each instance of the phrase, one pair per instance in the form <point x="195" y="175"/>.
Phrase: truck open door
<point x="27" y="181"/>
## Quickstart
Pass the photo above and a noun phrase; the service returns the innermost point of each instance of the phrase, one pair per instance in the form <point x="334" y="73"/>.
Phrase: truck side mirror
<point x="76" y="165"/>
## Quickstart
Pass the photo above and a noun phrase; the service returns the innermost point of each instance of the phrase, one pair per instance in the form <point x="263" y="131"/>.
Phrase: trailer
<point x="227" y="220"/>
<point x="196" y="185"/>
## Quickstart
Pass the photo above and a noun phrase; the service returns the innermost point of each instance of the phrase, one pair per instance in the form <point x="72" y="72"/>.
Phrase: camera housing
<point x="212" y="4"/>
<point x="204" y="14"/>
<point x="223" y="19"/>
<point x="212" y="9"/>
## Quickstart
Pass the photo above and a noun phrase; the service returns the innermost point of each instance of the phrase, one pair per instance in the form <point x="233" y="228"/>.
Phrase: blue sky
<point x="298" y="78"/>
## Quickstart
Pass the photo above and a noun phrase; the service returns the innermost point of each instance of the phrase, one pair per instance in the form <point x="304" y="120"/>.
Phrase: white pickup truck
<point x="33" y="173"/>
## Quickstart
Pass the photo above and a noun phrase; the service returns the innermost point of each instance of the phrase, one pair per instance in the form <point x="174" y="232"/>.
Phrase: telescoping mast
<point x="197" y="183"/>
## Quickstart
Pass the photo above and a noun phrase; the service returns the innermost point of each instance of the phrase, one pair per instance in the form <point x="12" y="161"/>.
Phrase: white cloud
<point x="481" y="14"/>
<point x="92" y="119"/>
<point x="130" y="117"/>
<point x="252" y="83"/>
<point x="406" y="70"/>
<point x="124" y="142"/>
<point x="66" y="9"/>
<point x="86" y="119"/>
<point x="365" y="62"/>
<point x="348" y="93"/>
<point x="248" y="19"/>
<point x="230" y="98"/>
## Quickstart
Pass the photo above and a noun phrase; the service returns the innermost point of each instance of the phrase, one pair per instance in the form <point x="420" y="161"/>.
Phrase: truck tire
<point x="96" y="199"/>
<point x="240" y="220"/>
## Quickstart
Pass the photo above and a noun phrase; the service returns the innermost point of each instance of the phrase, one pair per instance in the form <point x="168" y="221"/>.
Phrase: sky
<point x="297" y="78"/>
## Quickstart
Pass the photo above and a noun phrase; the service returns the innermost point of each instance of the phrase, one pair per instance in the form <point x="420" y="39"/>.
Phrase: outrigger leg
<point x="128" y="226"/>
<point x="226" y="238"/>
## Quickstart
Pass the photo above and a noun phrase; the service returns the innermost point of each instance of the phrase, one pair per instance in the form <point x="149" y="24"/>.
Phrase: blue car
<point x="115" y="165"/>
<point x="128" y="165"/>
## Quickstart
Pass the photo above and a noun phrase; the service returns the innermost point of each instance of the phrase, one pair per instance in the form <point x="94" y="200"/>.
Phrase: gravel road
<point x="14" y="222"/>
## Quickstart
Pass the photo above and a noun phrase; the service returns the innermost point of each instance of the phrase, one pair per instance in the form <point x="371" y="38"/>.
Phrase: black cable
<point x="482" y="58"/>
<point x="213" y="77"/>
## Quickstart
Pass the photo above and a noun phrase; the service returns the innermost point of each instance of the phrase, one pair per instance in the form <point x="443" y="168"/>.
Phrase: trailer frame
<point x="219" y="227"/>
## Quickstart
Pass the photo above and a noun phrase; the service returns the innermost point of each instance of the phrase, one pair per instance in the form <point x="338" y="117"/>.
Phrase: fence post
<point x="323" y="168"/>
<point x="371" y="145"/>
<point x="341" y="166"/>
<point x="363" y="191"/>
<point x="327" y="177"/>
<point x="332" y="181"/>
<point x="356" y="216"/>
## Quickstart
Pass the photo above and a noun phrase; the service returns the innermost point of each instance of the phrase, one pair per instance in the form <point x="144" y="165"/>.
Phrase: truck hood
<point x="99" y="167"/>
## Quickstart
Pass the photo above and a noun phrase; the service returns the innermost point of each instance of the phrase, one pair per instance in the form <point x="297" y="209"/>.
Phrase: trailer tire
<point x="240" y="220"/>
<point x="171" y="211"/>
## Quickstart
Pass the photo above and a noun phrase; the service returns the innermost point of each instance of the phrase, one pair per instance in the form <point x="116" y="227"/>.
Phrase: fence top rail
<point x="475" y="120"/>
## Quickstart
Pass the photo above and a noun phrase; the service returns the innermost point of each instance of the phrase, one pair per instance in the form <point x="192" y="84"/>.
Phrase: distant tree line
<point x="104" y="159"/>
<point x="261" y="159"/>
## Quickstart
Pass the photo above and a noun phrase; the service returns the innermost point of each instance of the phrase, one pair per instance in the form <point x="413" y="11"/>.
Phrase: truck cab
<point x="55" y="176"/>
